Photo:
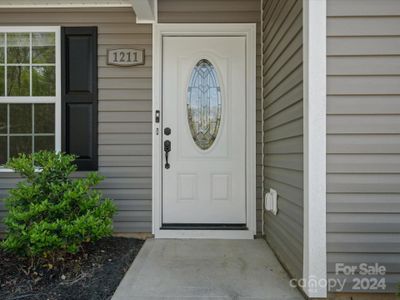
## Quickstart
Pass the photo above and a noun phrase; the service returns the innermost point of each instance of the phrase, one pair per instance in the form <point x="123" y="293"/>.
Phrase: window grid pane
<point x="2" y="48"/>
<point x="26" y="55"/>
<point x="18" y="80"/>
<point x="3" y="118"/>
<point x="2" y="81"/>
<point x="18" y="48"/>
<point x="43" y="47"/>
<point x="20" y="120"/>
<point x="20" y="139"/>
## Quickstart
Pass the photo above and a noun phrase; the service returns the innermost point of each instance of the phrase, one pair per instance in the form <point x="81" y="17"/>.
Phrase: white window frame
<point x="40" y="99"/>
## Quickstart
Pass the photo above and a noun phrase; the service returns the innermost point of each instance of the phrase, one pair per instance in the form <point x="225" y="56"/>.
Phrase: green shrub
<point x="51" y="214"/>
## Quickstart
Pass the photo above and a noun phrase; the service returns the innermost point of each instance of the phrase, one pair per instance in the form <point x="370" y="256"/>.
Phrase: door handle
<point x="167" y="149"/>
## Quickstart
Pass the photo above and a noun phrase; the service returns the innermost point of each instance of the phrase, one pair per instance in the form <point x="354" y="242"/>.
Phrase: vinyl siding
<point x="125" y="95"/>
<point x="283" y="128"/>
<point x="124" y="109"/>
<point x="363" y="135"/>
<point x="222" y="11"/>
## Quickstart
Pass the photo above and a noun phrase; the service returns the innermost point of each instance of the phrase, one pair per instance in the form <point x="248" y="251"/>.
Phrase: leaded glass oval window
<point x="204" y="104"/>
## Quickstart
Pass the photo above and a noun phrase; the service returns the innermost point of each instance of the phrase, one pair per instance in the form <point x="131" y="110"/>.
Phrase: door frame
<point x="182" y="29"/>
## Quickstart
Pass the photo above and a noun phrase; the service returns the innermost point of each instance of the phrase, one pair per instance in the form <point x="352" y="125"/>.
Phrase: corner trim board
<point x="314" y="122"/>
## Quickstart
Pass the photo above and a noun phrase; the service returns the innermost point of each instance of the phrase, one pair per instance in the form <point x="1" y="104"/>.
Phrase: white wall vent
<point x="271" y="201"/>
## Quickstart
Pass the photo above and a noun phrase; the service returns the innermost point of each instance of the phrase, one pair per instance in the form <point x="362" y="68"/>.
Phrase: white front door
<point x="204" y="125"/>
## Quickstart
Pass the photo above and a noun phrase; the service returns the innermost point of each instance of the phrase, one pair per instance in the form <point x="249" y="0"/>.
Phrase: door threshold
<point x="203" y="234"/>
<point x="201" y="226"/>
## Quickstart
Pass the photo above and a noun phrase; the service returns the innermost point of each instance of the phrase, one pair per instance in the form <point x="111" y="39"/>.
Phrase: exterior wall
<point x="124" y="109"/>
<point x="125" y="95"/>
<point x="283" y="128"/>
<point x="222" y="11"/>
<point x="363" y="141"/>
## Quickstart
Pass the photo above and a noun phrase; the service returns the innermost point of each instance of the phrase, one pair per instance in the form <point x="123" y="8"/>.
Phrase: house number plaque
<point x="125" y="57"/>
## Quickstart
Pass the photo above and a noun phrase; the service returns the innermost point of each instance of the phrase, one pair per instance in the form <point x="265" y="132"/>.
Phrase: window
<point x="204" y="104"/>
<point x="29" y="90"/>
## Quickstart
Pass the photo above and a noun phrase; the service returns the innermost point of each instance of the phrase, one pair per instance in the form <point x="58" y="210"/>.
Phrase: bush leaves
<point x="49" y="212"/>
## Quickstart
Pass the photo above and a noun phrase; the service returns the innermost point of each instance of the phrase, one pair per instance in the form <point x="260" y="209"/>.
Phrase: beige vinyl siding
<point x="283" y="128"/>
<point x="124" y="108"/>
<point x="363" y="135"/>
<point x="222" y="11"/>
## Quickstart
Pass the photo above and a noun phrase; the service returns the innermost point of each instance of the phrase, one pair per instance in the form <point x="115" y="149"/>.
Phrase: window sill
<point x="6" y="170"/>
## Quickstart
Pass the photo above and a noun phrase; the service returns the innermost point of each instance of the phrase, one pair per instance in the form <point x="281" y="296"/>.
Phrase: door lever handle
<point x="167" y="149"/>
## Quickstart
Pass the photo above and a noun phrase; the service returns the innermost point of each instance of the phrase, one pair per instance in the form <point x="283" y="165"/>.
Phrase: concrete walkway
<point x="205" y="269"/>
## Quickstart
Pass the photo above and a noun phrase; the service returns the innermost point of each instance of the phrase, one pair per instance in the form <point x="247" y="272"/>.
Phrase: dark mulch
<point x="92" y="274"/>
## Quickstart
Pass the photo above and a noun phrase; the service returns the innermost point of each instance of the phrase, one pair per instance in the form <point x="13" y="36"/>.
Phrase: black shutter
<point x="79" y="94"/>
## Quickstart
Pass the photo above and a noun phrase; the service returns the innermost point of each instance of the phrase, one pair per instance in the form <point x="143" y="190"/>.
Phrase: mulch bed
<point x="93" y="273"/>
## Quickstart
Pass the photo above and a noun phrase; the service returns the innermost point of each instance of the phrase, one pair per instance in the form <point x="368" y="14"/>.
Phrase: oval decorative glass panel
<point x="204" y="104"/>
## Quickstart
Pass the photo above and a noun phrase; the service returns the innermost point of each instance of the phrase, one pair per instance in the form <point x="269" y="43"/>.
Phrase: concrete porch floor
<point x="205" y="269"/>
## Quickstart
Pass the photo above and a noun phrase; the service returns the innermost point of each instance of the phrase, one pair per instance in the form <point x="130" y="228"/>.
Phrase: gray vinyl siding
<point x="124" y="109"/>
<point x="283" y="128"/>
<point x="222" y="11"/>
<point x="363" y="135"/>
<point x="125" y="95"/>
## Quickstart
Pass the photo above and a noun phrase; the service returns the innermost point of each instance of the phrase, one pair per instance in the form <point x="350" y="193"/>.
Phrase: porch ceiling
<point x="61" y="3"/>
<point x="144" y="9"/>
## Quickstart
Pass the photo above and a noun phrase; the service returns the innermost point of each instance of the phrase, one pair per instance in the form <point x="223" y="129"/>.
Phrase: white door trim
<point x="248" y="31"/>
<point x="314" y="77"/>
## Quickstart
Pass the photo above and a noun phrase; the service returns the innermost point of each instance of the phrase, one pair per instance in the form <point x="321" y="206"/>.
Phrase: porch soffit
<point x="144" y="9"/>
